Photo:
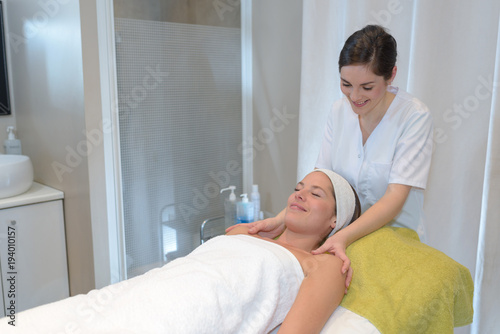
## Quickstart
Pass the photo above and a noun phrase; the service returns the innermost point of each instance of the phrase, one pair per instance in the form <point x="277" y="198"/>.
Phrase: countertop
<point x="38" y="193"/>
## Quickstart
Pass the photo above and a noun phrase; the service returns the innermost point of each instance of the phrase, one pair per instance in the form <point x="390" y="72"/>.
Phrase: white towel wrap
<point x="230" y="284"/>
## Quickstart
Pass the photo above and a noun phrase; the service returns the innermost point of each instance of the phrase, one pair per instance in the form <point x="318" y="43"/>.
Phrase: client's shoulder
<point x="238" y="229"/>
<point x="323" y="264"/>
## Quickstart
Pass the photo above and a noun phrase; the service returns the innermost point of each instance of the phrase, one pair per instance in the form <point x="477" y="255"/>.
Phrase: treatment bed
<point x="241" y="284"/>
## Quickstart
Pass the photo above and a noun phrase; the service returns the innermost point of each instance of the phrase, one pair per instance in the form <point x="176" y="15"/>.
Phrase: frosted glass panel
<point x="179" y="90"/>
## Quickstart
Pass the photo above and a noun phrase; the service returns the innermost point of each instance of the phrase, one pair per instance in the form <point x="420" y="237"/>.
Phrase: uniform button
<point x="359" y="155"/>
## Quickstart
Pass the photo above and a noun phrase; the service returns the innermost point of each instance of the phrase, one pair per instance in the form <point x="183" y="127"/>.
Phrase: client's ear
<point x="333" y="222"/>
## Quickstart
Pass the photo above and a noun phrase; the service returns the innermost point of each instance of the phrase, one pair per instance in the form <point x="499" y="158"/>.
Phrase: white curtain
<point x="448" y="57"/>
<point x="487" y="297"/>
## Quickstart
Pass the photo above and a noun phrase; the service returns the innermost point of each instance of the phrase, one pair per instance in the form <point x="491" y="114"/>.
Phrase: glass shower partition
<point x="180" y="123"/>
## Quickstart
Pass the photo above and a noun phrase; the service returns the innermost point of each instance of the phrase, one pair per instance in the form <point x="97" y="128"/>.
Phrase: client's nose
<point x="300" y="194"/>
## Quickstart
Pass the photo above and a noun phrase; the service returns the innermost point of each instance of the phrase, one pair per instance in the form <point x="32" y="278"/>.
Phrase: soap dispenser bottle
<point x="244" y="210"/>
<point x="12" y="145"/>
<point x="230" y="207"/>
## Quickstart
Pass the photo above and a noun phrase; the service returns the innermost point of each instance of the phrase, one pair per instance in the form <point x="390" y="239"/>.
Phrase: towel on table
<point x="230" y="284"/>
<point x="404" y="286"/>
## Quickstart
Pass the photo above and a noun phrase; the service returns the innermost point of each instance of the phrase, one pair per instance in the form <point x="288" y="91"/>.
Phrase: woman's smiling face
<point x="311" y="207"/>
<point x="365" y="90"/>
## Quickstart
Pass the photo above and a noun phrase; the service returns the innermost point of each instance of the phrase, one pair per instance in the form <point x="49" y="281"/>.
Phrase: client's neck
<point x="305" y="242"/>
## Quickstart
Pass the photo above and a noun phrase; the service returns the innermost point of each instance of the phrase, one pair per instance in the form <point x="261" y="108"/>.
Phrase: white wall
<point x="47" y="81"/>
<point x="277" y="41"/>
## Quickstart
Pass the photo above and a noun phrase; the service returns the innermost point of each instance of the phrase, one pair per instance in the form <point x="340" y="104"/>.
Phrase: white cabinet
<point x="32" y="250"/>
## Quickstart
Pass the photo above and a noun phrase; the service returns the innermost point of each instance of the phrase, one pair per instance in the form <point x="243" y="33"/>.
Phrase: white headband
<point x="344" y="197"/>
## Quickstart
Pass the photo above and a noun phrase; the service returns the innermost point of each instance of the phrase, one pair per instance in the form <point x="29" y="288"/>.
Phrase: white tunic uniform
<point x="399" y="151"/>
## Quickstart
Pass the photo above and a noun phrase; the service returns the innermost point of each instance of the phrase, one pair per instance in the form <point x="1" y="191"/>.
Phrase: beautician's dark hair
<point x="371" y="46"/>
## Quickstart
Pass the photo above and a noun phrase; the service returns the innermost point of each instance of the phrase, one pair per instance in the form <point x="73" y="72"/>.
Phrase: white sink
<point x="16" y="174"/>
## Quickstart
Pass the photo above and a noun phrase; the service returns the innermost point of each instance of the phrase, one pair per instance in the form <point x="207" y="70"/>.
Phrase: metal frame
<point x="206" y="223"/>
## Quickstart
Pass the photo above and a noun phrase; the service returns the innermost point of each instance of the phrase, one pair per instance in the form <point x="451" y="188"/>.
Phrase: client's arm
<point x="319" y="295"/>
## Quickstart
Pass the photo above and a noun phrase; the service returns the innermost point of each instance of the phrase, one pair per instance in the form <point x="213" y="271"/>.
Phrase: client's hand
<point x="268" y="228"/>
<point x="337" y="245"/>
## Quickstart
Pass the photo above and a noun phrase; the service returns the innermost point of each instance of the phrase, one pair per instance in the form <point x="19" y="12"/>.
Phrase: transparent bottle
<point x="12" y="145"/>
<point x="229" y="207"/>
<point x="255" y="199"/>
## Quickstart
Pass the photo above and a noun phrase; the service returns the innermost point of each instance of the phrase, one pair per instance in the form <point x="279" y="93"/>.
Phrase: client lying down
<point x="237" y="283"/>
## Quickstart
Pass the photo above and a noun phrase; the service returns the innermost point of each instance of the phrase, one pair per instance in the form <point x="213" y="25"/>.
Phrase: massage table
<point x="400" y="285"/>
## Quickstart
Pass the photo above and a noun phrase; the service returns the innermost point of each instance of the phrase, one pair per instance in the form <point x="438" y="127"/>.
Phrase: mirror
<point x="4" y="79"/>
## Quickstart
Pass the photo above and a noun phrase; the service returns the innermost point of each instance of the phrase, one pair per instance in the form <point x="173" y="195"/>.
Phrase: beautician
<point x="379" y="138"/>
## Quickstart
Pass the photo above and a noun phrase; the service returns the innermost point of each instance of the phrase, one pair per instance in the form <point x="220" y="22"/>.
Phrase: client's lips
<point x="297" y="206"/>
<point x="360" y="103"/>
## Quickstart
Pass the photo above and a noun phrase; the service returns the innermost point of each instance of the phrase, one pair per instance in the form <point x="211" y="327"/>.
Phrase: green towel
<point x="404" y="286"/>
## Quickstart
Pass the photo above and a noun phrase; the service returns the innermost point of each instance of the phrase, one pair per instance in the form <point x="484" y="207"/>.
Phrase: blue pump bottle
<point x="244" y="210"/>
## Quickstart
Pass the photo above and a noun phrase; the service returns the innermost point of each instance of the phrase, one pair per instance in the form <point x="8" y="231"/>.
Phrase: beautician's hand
<point x="268" y="228"/>
<point x="336" y="245"/>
